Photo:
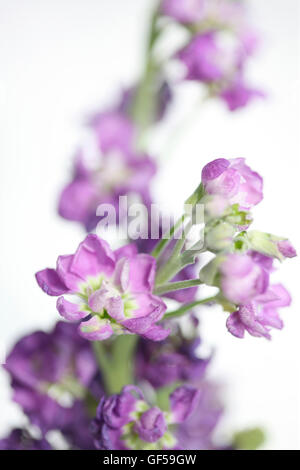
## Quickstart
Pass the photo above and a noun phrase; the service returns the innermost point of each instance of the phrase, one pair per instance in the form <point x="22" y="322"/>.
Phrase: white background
<point x="61" y="59"/>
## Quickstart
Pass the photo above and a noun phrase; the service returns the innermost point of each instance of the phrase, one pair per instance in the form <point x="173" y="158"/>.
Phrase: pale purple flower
<point x="260" y="315"/>
<point x="113" y="131"/>
<point x="238" y="94"/>
<point x="103" y="182"/>
<point x="51" y="374"/>
<point x="126" y="421"/>
<point x="234" y="181"/>
<point x="184" y="11"/>
<point x="220" y="64"/>
<point x="20" y="439"/>
<point x="111" y="291"/>
<point x="203" y="59"/>
<point x="242" y="278"/>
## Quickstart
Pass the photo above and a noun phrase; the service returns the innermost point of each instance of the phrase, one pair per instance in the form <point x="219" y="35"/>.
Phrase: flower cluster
<point x="114" y="170"/>
<point x="220" y="44"/>
<point x="141" y="384"/>
<point x="51" y="374"/>
<point x="113" y="290"/>
<point x="127" y="421"/>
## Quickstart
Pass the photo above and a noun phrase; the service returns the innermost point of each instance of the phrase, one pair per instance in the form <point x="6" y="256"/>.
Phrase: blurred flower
<point x="171" y="361"/>
<point x="197" y="432"/>
<point x="113" y="290"/>
<point x="184" y="11"/>
<point x="238" y="94"/>
<point x="20" y="439"/>
<point x="116" y="175"/>
<point x="126" y="421"/>
<point x="51" y="374"/>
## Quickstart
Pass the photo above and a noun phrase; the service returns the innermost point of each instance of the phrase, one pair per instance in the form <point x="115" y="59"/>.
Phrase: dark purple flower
<point x="51" y="374"/>
<point x="112" y="291"/>
<point x="127" y="421"/>
<point x="196" y="433"/>
<point x="172" y="361"/>
<point x="20" y="439"/>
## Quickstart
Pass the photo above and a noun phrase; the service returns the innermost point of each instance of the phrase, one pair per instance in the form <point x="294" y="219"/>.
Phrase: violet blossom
<point x="113" y="291"/>
<point x="103" y="182"/>
<point x="234" y="181"/>
<point x="220" y="64"/>
<point x="197" y="432"/>
<point x="172" y="361"/>
<point x="21" y="439"/>
<point x="126" y="421"/>
<point x="261" y="314"/>
<point x="51" y="374"/>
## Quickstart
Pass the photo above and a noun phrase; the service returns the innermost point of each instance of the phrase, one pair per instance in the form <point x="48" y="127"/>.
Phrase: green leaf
<point x="249" y="439"/>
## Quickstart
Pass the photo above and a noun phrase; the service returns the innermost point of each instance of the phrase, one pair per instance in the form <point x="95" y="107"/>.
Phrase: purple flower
<point x="220" y="64"/>
<point x="113" y="131"/>
<point x="203" y="59"/>
<point x="174" y="360"/>
<point x="234" y="181"/>
<point x="184" y="11"/>
<point x="127" y="421"/>
<point x="196" y="433"/>
<point x="112" y="291"/>
<point x="260" y="315"/>
<point x="238" y="94"/>
<point x="243" y="278"/>
<point x="20" y="439"/>
<point x="103" y="183"/>
<point x="51" y="373"/>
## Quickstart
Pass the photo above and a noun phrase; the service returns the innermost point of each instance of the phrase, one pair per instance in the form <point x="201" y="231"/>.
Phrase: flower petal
<point x="115" y="308"/>
<point x="93" y="257"/>
<point x="95" y="329"/>
<point x="126" y="251"/>
<point x="49" y="282"/>
<point x="235" y="326"/>
<point x="183" y="402"/>
<point x="142" y="273"/>
<point x="63" y="268"/>
<point x="69" y="310"/>
<point x="156" y="333"/>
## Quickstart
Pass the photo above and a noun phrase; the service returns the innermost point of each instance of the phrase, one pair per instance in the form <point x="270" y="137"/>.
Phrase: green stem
<point x="145" y="103"/>
<point x="116" y="365"/>
<point x="173" y="286"/>
<point x="166" y="238"/>
<point x="185" y="308"/>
